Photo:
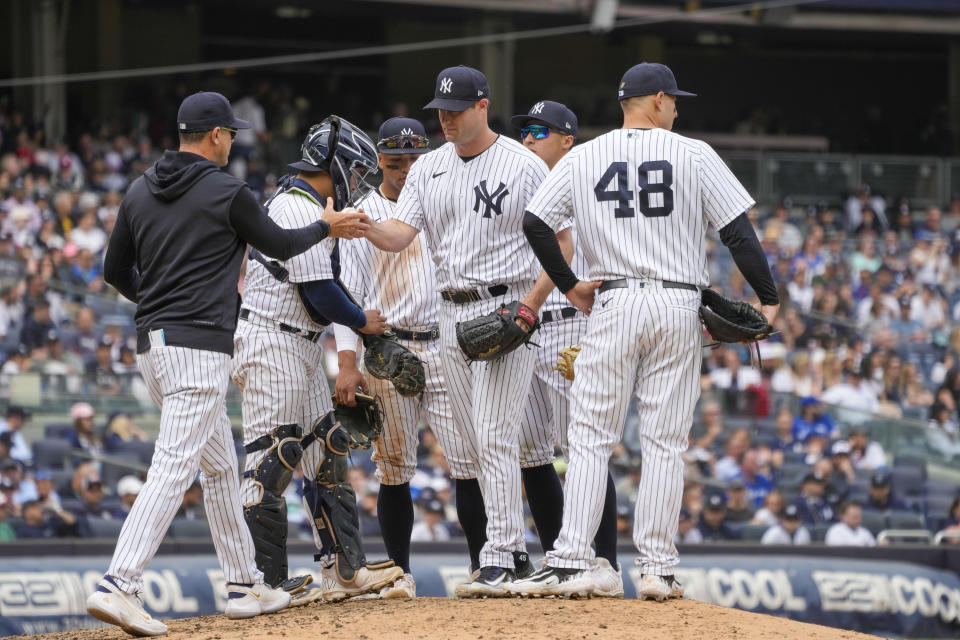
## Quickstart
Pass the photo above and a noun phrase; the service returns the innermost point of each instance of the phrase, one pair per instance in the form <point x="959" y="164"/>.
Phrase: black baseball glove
<point x="363" y="423"/>
<point x="496" y="334"/>
<point x="732" y="321"/>
<point x="387" y="359"/>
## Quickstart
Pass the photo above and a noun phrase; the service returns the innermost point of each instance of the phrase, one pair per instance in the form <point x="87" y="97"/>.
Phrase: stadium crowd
<point x="779" y="450"/>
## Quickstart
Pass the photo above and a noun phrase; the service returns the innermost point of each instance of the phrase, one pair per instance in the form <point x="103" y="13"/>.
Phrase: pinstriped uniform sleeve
<point x="553" y="200"/>
<point x="314" y="263"/>
<point x="410" y="205"/>
<point x="722" y="197"/>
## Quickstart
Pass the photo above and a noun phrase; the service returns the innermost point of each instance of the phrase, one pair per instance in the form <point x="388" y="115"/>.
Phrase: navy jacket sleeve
<point x="255" y="227"/>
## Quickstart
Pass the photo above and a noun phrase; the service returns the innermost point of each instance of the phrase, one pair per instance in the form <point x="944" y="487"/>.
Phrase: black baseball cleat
<point x="554" y="581"/>
<point x="523" y="568"/>
<point x="488" y="583"/>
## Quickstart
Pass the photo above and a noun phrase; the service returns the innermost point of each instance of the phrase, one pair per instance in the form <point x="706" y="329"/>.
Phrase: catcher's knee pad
<point x="333" y="508"/>
<point x="267" y="517"/>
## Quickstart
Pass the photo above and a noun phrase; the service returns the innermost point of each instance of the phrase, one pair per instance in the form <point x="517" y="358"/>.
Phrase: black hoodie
<point x="177" y="246"/>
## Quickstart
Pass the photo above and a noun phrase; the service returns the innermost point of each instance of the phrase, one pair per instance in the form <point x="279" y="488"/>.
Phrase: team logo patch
<point x="537" y="109"/>
<point x="491" y="201"/>
<point x="446" y="85"/>
<point x="406" y="132"/>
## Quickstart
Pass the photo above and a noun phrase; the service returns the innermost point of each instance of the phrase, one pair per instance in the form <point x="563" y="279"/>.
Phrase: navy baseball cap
<point x="716" y="502"/>
<point x="458" y="88"/>
<point x="648" y="78"/>
<point x="402" y="135"/>
<point x="205" y="110"/>
<point x="557" y="115"/>
<point x="791" y="512"/>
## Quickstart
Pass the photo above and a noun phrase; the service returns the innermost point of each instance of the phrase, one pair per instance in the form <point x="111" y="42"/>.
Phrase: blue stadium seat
<point x="793" y="471"/>
<point x="819" y="531"/>
<point x="136" y="449"/>
<point x="937" y="488"/>
<point x="875" y="521"/>
<point x="61" y="479"/>
<point x="935" y="507"/>
<point x="908" y="481"/>
<point x="57" y="429"/>
<point x="905" y="460"/>
<point x="51" y="453"/>
<point x="183" y="528"/>
<point x="105" y="528"/>
<point x="753" y="531"/>
<point x="905" y="520"/>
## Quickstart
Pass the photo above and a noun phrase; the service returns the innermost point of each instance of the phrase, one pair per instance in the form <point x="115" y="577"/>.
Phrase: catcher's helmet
<point x="345" y="152"/>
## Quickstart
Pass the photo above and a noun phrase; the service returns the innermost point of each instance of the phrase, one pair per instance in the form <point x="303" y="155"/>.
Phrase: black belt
<point x="667" y="284"/>
<point x="472" y="295"/>
<point x="312" y="336"/>
<point x="563" y="314"/>
<point x="430" y="334"/>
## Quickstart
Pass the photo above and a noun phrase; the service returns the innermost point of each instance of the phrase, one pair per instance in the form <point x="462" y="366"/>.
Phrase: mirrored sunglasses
<point x="538" y="131"/>
<point x="404" y="142"/>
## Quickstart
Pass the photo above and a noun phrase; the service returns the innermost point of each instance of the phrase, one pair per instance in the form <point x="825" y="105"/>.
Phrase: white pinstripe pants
<point x="546" y="417"/>
<point x="647" y="342"/>
<point x="189" y="386"/>
<point x="487" y="400"/>
<point x="395" y="452"/>
<point x="282" y="382"/>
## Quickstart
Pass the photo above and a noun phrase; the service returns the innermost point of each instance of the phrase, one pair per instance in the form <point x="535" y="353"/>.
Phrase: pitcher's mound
<point x="446" y="618"/>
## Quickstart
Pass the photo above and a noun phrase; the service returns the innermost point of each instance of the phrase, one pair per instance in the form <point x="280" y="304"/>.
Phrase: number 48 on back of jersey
<point x="655" y="197"/>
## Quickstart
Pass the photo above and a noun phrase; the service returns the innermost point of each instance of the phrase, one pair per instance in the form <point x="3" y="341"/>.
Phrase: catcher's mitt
<point x="363" y="423"/>
<point x="565" y="362"/>
<point x="732" y="321"/>
<point x="496" y="334"/>
<point x="387" y="359"/>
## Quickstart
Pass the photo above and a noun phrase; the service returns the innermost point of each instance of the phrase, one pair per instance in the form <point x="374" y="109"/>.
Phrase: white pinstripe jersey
<point x="641" y="199"/>
<point x="472" y="213"/>
<point x="402" y="285"/>
<point x="267" y="296"/>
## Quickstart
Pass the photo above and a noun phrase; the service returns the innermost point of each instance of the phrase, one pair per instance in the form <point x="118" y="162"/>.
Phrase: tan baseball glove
<point x="566" y="359"/>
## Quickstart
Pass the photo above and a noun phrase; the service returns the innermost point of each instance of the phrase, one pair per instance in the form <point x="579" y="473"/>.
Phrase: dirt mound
<point x="443" y="618"/>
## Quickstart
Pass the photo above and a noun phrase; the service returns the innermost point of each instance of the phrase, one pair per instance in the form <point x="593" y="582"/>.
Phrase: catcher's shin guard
<point x="267" y="518"/>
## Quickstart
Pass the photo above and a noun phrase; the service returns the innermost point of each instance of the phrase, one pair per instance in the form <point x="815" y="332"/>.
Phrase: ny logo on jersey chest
<point x="491" y="201"/>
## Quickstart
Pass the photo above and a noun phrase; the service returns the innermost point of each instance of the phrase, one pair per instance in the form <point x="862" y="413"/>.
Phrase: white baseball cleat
<point x="608" y="582"/>
<point x="368" y="579"/>
<point x="403" y="587"/>
<point x="659" y="588"/>
<point x="306" y="596"/>
<point x="247" y="602"/>
<point x="111" y="605"/>
<point x="555" y="581"/>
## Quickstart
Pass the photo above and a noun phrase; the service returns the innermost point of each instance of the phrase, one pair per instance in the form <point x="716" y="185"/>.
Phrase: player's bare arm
<point x="348" y="379"/>
<point x="391" y="235"/>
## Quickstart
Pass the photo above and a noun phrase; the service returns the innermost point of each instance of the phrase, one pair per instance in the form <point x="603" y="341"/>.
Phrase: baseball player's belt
<point x="623" y="283"/>
<point x="562" y="314"/>
<point x="464" y="296"/>
<point x="422" y="336"/>
<point x="312" y="336"/>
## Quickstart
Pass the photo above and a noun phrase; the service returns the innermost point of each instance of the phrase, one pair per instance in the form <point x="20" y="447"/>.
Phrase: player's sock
<point x="606" y="540"/>
<point x="395" y="513"/>
<point x="545" y="497"/>
<point x="472" y="516"/>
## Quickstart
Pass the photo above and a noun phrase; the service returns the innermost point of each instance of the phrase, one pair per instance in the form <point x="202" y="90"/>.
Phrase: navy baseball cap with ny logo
<point x="458" y="88"/>
<point x="557" y="116"/>
<point x="648" y="78"/>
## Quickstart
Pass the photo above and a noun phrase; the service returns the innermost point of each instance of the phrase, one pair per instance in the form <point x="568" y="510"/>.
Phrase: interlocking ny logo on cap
<point x="406" y="132"/>
<point x="537" y="108"/>
<point x="446" y="85"/>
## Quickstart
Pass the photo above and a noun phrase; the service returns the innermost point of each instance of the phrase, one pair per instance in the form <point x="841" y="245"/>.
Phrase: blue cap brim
<point x="448" y="104"/>
<point x="238" y="124"/>
<point x="685" y="94"/>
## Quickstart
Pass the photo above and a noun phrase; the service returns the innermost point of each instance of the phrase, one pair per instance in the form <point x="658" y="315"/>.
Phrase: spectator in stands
<point x="848" y="532"/>
<point x="865" y="454"/>
<point x="739" y="506"/>
<point x="192" y="506"/>
<point x="755" y="477"/>
<point x="101" y="377"/>
<point x="881" y="497"/>
<point x="47" y="494"/>
<point x="6" y="445"/>
<point x="15" y="417"/>
<point x="712" y="419"/>
<point x="692" y="499"/>
<point x="37" y="326"/>
<point x="128" y="488"/>
<point x="769" y="513"/>
<point x="813" y="418"/>
<point x="687" y="531"/>
<point x="84" y="435"/>
<point x="7" y="533"/>
<point x="728" y="467"/>
<point x="952" y="522"/>
<point x="733" y="375"/>
<point x="369" y="522"/>
<point x="713" y="526"/>
<point x="433" y="527"/>
<point x="87" y="235"/>
<point x="45" y="523"/>
<point x="907" y="328"/>
<point x="851" y="393"/>
<point x="84" y="337"/>
<point x="91" y="504"/>
<point x="121" y="430"/>
<point x="841" y="473"/>
<point x="789" y="529"/>
<point x="811" y="503"/>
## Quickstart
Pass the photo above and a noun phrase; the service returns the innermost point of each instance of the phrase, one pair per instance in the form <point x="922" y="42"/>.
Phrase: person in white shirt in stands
<point x="851" y="394"/>
<point x="848" y="532"/>
<point x="732" y="375"/>
<point x="789" y="530"/>
<point x="865" y="454"/>
<point x="432" y="528"/>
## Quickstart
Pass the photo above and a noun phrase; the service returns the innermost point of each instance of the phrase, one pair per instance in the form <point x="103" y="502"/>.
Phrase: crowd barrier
<point x="903" y="599"/>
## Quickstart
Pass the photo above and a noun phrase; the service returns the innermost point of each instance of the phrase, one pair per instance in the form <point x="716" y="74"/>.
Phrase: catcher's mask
<point x="340" y="148"/>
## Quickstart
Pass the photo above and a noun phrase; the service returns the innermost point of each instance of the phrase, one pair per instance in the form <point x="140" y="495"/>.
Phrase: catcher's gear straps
<point x="267" y="517"/>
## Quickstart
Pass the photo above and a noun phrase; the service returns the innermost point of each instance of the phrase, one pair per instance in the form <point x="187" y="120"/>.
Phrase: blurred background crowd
<point x="782" y="449"/>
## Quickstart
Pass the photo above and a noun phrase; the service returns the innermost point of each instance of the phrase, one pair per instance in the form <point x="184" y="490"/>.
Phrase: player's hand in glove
<point x="498" y="333"/>
<point x="362" y="422"/>
<point x="376" y="323"/>
<point x="349" y="223"/>
<point x="387" y="359"/>
<point x="565" y="362"/>
<point x="349" y="379"/>
<point x="732" y="321"/>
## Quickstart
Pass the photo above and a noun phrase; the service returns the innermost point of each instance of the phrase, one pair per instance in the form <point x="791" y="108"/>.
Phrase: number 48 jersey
<point x="641" y="199"/>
